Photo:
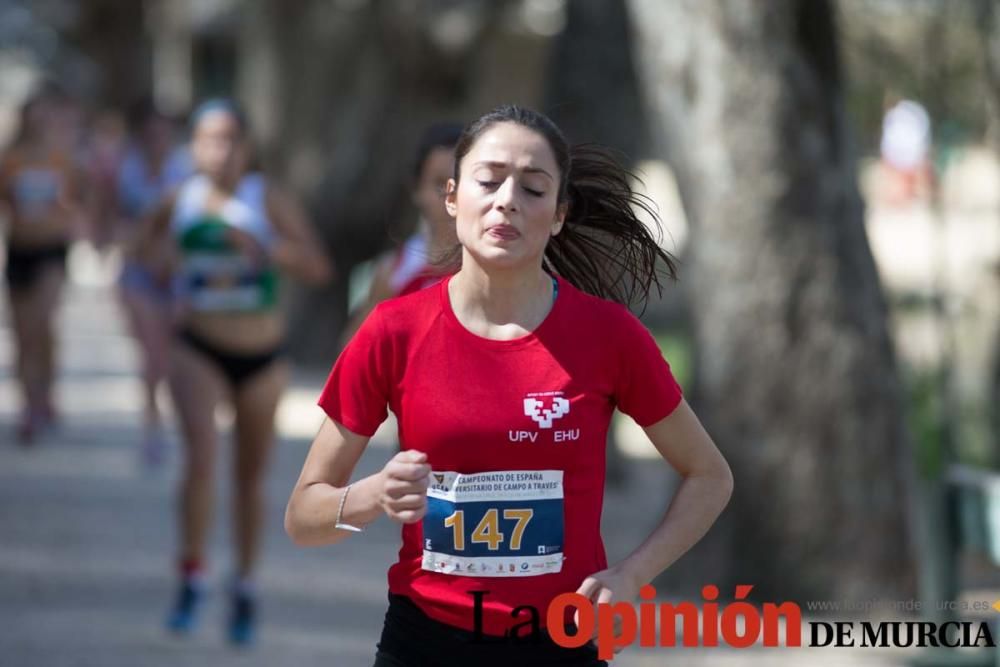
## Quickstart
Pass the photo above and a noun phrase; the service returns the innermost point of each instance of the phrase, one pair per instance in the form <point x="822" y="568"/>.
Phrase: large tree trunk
<point x="342" y="92"/>
<point x="989" y="25"/>
<point x="796" y="374"/>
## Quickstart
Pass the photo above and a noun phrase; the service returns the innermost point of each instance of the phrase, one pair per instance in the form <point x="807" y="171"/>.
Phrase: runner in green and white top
<point x="230" y="232"/>
<point x="215" y="274"/>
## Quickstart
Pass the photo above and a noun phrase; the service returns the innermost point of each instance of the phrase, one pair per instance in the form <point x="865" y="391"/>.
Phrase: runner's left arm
<point x="705" y="489"/>
<point x="298" y="250"/>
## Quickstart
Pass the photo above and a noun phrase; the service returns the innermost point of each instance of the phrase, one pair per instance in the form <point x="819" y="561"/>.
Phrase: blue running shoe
<point x="184" y="615"/>
<point x="242" y="622"/>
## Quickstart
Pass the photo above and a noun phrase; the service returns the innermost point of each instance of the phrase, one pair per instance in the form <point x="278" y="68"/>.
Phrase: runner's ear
<point x="450" y="194"/>
<point x="560" y="220"/>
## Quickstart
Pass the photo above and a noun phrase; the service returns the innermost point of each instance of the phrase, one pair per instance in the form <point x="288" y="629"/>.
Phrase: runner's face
<point x="506" y="201"/>
<point x="218" y="147"/>
<point x="428" y="196"/>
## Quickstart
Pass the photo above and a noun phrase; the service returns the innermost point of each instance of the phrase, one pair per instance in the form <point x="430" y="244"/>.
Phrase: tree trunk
<point x="797" y="380"/>
<point x="592" y="94"/>
<point x="989" y="25"/>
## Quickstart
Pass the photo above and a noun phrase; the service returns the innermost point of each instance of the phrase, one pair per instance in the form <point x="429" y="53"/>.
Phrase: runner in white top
<point x="231" y="233"/>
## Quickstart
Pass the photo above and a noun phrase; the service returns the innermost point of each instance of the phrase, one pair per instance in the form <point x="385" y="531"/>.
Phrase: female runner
<point x="503" y="379"/>
<point x="414" y="265"/>
<point x="40" y="188"/>
<point x="152" y="167"/>
<point x="232" y="232"/>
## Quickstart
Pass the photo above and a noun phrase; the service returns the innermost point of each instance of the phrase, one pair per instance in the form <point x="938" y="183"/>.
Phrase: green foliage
<point x="678" y="350"/>
<point x="923" y="415"/>
<point x="938" y="443"/>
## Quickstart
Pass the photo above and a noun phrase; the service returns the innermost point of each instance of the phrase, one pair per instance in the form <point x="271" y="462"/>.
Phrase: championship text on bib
<point x="506" y="523"/>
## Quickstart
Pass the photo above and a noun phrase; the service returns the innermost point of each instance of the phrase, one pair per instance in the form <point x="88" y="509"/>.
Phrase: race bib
<point x="228" y="282"/>
<point x="494" y="524"/>
<point x="217" y="277"/>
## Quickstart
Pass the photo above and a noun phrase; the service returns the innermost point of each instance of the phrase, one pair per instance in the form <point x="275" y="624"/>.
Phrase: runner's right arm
<point x="399" y="489"/>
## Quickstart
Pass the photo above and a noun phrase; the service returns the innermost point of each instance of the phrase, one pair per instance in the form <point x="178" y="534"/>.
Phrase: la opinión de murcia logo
<point x="542" y="415"/>
<point x="737" y="624"/>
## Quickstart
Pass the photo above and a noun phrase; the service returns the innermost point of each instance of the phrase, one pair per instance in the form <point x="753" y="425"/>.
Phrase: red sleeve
<point x="357" y="391"/>
<point x="646" y="389"/>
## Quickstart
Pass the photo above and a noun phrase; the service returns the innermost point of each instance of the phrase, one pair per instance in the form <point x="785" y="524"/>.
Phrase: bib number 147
<point x="488" y="530"/>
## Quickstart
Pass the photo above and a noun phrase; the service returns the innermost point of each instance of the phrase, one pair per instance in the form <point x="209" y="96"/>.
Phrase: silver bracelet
<point x="340" y="511"/>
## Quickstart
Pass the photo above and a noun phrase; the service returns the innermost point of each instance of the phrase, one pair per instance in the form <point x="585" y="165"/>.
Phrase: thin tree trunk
<point x="592" y="90"/>
<point x="592" y="94"/>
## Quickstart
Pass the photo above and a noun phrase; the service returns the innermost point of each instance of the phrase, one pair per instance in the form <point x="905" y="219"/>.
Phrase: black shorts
<point x="237" y="368"/>
<point x="412" y="639"/>
<point x="25" y="265"/>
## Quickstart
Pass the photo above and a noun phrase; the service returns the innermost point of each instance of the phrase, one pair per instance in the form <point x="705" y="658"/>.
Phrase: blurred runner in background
<point x="905" y="148"/>
<point x="415" y="264"/>
<point x="231" y="233"/>
<point x="152" y="167"/>
<point x="41" y="189"/>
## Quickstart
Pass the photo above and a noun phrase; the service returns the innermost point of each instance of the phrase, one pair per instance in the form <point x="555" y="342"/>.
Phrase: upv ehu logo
<point x="542" y="415"/>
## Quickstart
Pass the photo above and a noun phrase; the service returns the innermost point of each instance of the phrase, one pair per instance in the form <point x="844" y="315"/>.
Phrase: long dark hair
<point x="603" y="247"/>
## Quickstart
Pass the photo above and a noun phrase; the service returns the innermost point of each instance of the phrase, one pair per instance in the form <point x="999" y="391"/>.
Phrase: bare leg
<point x="21" y="312"/>
<point x="196" y="388"/>
<point x="50" y="289"/>
<point x="32" y="309"/>
<point x="256" y="403"/>
<point x="150" y="326"/>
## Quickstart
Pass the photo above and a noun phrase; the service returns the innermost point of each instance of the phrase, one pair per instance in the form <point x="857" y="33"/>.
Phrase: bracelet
<point x="340" y="511"/>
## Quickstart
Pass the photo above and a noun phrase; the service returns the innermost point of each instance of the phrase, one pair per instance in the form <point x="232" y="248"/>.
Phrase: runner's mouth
<point x="504" y="232"/>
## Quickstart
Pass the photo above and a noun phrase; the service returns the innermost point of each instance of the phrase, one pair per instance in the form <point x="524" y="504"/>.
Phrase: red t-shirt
<point x="423" y="280"/>
<point x="534" y="411"/>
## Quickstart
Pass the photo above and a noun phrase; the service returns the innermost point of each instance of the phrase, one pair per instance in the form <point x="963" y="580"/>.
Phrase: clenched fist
<point x="405" y="479"/>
